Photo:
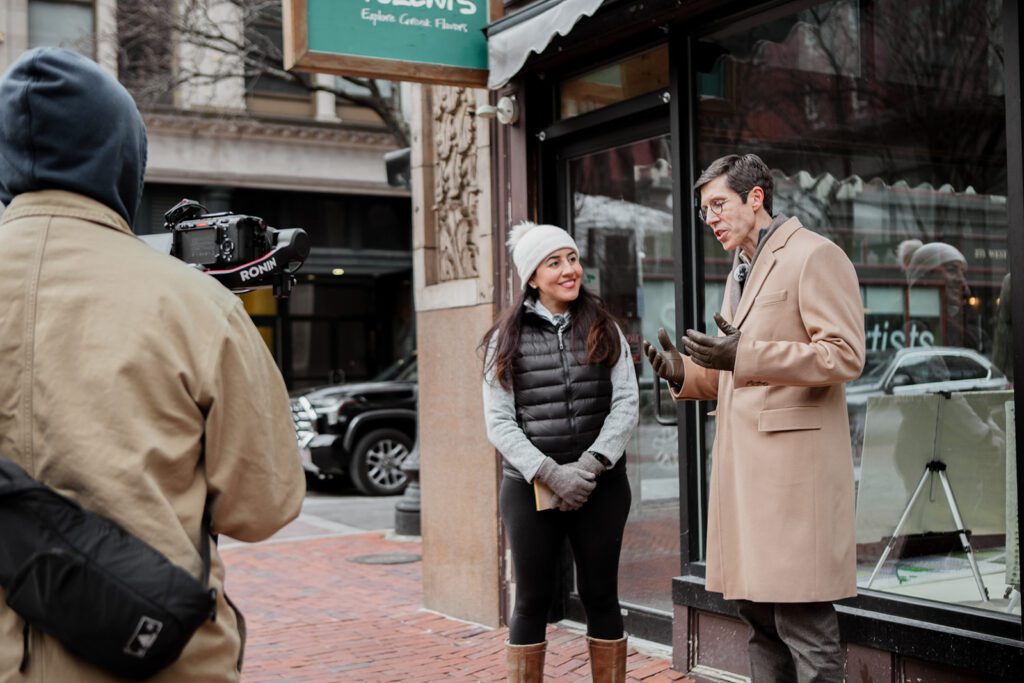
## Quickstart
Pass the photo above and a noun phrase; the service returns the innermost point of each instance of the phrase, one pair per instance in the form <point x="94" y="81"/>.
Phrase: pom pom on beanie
<point x="531" y="243"/>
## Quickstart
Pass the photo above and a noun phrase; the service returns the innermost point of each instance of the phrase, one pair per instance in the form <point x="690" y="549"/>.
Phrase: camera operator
<point x="130" y="382"/>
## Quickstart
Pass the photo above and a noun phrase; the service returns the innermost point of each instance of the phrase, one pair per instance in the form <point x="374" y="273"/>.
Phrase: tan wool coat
<point x="138" y="387"/>
<point x="781" y="509"/>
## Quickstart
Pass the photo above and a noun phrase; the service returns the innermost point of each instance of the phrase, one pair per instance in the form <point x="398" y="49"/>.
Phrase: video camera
<point x="242" y="252"/>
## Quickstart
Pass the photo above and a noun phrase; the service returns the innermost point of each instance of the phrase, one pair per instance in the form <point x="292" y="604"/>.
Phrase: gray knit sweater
<point x="506" y="435"/>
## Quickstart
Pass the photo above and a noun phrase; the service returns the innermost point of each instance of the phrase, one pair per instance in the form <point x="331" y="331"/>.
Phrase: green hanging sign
<point x="428" y="41"/>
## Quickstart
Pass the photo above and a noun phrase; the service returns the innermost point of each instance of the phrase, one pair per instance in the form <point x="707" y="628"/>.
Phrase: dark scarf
<point x="741" y="267"/>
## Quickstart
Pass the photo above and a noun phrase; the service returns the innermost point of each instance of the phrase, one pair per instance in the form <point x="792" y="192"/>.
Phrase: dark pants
<point x="792" y="641"/>
<point x="536" y="539"/>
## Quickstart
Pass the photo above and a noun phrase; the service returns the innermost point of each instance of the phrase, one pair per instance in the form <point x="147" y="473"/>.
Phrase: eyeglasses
<point x="714" y="207"/>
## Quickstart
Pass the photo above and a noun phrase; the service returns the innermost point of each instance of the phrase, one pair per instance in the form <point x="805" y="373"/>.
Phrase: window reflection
<point x="884" y="124"/>
<point x="622" y="222"/>
<point x="631" y="77"/>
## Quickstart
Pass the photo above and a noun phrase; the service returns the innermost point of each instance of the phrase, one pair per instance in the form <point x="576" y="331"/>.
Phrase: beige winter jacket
<point x="138" y="387"/>
<point x="780" y="513"/>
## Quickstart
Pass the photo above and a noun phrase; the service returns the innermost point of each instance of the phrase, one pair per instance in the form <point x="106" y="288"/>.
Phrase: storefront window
<point x="884" y="125"/>
<point x="622" y="221"/>
<point x="633" y="76"/>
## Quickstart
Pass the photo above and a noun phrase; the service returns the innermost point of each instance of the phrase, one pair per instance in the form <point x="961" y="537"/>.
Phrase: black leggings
<point x="595" y="535"/>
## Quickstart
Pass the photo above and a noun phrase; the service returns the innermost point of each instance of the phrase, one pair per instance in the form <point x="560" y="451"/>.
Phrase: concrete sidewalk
<point x="316" y="614"/>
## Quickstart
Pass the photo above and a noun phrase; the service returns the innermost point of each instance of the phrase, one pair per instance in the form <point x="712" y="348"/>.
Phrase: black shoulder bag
<point x="106" y="595"/>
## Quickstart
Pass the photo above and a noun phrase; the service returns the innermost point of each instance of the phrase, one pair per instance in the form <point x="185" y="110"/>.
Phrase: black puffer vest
<point x="561" y="402"/>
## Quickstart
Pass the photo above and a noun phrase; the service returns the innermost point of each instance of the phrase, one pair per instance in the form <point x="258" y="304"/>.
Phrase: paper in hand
<point x="544" y="497"/>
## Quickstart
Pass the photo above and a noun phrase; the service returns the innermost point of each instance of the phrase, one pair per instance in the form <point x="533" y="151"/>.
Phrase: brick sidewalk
<point x="314" y="615"/>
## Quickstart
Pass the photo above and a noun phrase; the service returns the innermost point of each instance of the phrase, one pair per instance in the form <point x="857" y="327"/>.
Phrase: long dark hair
<point x="593" y="329"/>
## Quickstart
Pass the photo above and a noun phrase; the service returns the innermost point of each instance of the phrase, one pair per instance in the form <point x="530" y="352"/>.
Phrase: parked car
<point x="919" y="370"/>
<point x="364" y="430"/>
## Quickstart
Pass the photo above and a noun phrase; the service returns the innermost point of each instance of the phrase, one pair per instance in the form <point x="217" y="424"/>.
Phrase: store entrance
<point x="617" y="196"/>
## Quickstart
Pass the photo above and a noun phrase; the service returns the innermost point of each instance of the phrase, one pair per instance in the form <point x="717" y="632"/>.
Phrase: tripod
<point x="932" y="469"/>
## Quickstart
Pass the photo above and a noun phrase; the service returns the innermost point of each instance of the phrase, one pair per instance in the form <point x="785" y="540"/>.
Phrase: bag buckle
<point x="213" y="605"/>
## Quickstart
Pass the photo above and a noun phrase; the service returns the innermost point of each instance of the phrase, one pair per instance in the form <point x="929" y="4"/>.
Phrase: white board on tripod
<point x="899" y="441"/>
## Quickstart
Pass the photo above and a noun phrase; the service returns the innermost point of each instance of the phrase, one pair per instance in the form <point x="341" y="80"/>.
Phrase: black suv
<point x="365" y="430"/>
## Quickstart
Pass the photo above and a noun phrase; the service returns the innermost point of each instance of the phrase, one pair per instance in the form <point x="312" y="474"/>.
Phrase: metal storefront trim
<point x="914" y="636"/>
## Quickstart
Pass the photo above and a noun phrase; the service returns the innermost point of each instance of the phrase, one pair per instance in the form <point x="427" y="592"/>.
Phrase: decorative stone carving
<point x="241" y="127"/>
<point x="456" y="193"/>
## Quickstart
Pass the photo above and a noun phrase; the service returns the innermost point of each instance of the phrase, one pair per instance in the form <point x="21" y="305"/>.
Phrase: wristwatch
<point x="601" y="459"/>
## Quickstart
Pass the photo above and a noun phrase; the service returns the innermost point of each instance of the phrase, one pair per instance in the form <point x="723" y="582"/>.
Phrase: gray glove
<point x="562" y="506"/>
<point x="588" y="462"/>
<point x="572" y="484"/>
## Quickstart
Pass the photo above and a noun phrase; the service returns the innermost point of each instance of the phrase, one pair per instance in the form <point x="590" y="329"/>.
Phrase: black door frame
<point x="637" y="119"/>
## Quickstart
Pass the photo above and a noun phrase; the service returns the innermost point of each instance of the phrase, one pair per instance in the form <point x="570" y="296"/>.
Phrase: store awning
<point x="510" y="40"/>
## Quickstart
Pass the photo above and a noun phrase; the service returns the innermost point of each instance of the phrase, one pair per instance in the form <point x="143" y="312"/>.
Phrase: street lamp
<point x="407" y="509"/>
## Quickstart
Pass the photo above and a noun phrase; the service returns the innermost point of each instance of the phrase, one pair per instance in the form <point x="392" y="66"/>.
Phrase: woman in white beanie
<point x="944" y="265"/>
<point x="560" y="402"/>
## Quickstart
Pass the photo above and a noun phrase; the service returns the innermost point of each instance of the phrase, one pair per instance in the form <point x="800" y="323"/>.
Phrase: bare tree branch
<point x="166" y="45"/>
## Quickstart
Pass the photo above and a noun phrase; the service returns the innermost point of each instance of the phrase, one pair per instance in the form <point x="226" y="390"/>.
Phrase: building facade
<point x="250" y="142"/>
<point x="892" y="128"/>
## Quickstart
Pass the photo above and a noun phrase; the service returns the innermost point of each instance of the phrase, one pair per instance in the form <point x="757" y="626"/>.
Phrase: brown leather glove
<point x="668" y="363"/>
<point x="717" y="353"/>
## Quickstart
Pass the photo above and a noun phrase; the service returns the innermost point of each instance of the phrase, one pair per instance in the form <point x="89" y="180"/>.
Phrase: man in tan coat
<point x="781" y="511"/>
<point x="131" y="383"/>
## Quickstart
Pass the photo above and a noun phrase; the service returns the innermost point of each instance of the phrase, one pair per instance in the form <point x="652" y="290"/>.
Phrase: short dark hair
<point x="743" y="174"/>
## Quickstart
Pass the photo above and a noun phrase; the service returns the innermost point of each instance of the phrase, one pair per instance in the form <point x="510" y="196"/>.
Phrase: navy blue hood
<point x="65" y="124"/>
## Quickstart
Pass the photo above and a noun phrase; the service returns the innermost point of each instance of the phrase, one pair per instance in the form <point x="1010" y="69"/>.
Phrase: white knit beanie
<point x="930" y="256"/>
<point x="531" y="243"/>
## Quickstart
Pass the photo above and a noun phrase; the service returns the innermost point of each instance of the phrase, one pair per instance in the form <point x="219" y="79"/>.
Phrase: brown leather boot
<point x="525" y="662"/>
<point x="607" y="660"/>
